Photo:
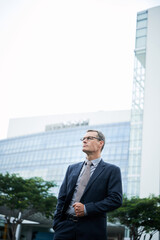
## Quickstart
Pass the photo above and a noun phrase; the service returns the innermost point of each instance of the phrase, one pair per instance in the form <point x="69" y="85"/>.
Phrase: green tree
<point x="140" y="215"/>
<point x="25" y="198"/>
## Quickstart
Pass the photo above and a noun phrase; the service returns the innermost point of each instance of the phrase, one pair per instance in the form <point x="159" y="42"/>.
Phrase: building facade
<point x="144" y="151"/>
<point x="48" y="154"/>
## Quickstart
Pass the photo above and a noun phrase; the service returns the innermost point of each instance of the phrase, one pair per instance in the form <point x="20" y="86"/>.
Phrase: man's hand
<point x="79" y="209"/>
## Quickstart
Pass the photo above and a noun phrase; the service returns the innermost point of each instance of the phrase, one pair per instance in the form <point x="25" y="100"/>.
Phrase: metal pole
<point x="18" y="230"/>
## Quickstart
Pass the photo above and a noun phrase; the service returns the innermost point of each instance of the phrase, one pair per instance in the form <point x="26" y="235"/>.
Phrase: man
<point x="90" y="189"/>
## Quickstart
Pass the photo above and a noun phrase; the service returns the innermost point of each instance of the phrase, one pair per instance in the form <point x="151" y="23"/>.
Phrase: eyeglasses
<point x="89" y="138"/>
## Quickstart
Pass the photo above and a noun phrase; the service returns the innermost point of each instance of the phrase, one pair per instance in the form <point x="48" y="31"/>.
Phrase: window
<point x="140" y="42"/>
<point x="142" y="24"/>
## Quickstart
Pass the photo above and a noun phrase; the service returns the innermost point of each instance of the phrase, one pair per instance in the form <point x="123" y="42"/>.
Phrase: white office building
<point x="144" y="151"/>
<point x="144" y="160"/>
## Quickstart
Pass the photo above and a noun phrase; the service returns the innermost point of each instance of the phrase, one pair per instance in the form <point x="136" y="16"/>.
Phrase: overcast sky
<point x="66" y="56"/>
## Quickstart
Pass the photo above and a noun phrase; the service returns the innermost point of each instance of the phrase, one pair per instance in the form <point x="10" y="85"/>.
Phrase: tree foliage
<point x="25" y="196"/>
<point x="140" y="215"/>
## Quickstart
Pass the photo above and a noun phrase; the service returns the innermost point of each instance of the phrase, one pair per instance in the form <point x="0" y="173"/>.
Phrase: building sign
<point x="56" y="126"/>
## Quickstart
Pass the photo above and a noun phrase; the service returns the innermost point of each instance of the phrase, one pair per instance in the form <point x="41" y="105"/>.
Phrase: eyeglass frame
<point x="90" y="138"/>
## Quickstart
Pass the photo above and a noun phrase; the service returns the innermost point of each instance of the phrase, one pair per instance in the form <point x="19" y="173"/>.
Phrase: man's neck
<point x="91" y="157"/>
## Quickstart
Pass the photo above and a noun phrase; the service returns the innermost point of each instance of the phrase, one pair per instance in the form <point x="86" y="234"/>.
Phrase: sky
<point x="66" y="56"/>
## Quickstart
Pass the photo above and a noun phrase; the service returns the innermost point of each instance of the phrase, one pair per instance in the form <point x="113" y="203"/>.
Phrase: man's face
<point x="92" y="145"/>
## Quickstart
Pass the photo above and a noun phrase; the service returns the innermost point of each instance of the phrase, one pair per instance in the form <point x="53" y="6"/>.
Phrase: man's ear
<point x="102" y="143"/>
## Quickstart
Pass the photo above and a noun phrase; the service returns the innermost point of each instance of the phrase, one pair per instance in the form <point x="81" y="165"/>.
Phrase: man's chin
<point x="85" y="150"/>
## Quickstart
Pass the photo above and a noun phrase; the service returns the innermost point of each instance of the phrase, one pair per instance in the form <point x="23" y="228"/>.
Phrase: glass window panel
<point x="141" y="32"/>
<point x="142" y="16"/>
<point x="142" y="24"/>
<point x="140" y="42"/>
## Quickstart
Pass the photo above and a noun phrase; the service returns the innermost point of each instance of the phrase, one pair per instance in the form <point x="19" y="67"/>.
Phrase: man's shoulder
<point x="109" y="165"/>
<point x="75" y="165"/>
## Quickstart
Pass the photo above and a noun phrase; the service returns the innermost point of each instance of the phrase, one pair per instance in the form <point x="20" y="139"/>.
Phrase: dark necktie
<point x="83" y="181"/>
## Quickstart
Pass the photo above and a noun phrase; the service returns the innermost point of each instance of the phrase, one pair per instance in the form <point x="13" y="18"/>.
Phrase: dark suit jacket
<point x="102" y="194"/>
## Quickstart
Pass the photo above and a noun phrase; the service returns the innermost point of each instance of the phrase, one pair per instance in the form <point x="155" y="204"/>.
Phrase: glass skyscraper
<point x="48" y="154"/>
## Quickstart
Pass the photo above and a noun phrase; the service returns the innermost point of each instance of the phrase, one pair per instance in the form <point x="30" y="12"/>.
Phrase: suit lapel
<point x="76" y="175"/>
<point x="99" y="169"/>
<point x="72" y="185"/>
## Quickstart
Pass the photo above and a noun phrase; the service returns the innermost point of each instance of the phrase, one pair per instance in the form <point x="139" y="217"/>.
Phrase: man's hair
<point x="100" y="136"/>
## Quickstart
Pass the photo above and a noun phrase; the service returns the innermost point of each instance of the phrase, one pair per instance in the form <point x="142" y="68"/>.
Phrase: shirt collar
<point x="95" y="161"/>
